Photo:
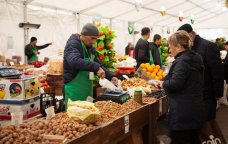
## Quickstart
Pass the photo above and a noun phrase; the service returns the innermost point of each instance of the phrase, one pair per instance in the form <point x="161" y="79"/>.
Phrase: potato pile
<point x="31" y="133"/>
<point x="148" y="99"/>
<point x="111" y="110"/>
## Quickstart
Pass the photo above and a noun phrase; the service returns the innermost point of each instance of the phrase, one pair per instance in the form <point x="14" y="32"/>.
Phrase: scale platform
<point x="8" y="72"/>
<point x="118" y="97"/>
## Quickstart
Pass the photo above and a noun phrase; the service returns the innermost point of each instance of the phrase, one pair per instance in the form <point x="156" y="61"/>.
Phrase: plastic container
<point x="138" y="96"/>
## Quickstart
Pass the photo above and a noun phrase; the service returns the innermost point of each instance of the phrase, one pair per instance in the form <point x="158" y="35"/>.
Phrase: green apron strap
<point x="159" y="49"/>
<point x="34" y="57"/>
<point x="151" y="57"/>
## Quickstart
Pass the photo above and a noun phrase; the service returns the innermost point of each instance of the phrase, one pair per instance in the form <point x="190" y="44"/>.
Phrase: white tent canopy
<point x="60" y="18"/>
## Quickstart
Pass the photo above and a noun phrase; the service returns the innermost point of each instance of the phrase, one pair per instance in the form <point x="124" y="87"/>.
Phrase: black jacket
<point x="184" y="87"/>
<point x="142" y="51"/>
<point x="155" y="54"/>
<point x="28" y="49"/>
<point x="225" y="64"/>
<point x="74" y="62"/>
<point x="213" y="74"/>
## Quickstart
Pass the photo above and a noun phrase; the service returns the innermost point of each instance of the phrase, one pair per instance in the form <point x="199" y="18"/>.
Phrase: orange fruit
<point x="155" y="70"/>
<point x="158" y="67"/>
<point x="163" y="74"/>
<point x="153" y="75"/>
<point x="148" y="73"/>
<point x="153" y="66"/>
<point x="157" y="78"/>
<point x="150" y="69"/>
<point x="142" y="65"/>
<point x="144" y="69"/>
<point x="160" y="77"/>
<point x="159" y="73"/>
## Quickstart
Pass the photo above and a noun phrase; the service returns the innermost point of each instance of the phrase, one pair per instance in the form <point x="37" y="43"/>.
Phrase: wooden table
<point x="126" y="129"/>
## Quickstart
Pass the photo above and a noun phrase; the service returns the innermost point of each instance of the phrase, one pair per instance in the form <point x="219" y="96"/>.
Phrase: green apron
<point x="160" y="54"/>
<point x="80" y="87"/>
<point x="34" y="57"/>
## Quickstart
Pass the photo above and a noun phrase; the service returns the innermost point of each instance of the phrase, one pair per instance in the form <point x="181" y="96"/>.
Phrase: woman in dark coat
<point x="184" y="87"/>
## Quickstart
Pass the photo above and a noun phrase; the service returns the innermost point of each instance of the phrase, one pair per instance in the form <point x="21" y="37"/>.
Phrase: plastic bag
<point x="110" y="86"/>
<point x="83" y="111"/>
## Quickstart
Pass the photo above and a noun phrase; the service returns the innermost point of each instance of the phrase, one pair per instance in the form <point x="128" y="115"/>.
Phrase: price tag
<point x="126" y="123"/>
<point x="17" y="118"/>
<point x="12" y="63"/>
<point x="160" y="106"/>
<point x="50" y="112"/>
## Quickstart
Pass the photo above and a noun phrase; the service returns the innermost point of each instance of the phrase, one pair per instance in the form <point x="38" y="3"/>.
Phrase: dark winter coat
<point x="74" y="62"/>
<point x="213" y="74"/>
<point x="142" y="51"/>
<point x="29" y="52"/>
<point x="155" y="54"/>
<point x="225" y="64"/>
<point x="184" y="87"/>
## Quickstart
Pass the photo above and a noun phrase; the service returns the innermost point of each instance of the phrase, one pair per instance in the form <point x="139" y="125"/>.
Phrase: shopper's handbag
<point x="211" y="134"/>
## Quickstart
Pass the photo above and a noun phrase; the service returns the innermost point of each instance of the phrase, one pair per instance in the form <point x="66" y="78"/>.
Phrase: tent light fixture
<point x="29" y="25"/>
<point x="138" y="5"/>
<point x="181" y="16"/>
<point x="163" y="10"/>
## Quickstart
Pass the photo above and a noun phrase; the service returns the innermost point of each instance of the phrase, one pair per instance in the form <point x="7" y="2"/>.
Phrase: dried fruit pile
<point x="149" y="99"/>
<point x="111" y="110"/>
<point x="134" y="82"/>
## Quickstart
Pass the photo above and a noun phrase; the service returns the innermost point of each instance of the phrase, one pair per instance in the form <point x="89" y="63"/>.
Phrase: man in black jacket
<point x="80" y="63"/>
<point x="213" y="74"/>
<point x="143" y="53"/>
<point x="156" y="50"/>
<point x="31" y="49"/>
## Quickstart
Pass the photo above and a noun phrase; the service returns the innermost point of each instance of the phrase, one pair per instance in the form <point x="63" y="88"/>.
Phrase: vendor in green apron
<point x="81" y="63"/>
<point x="143" y="53"/>
<point x="156" y="50"/>
<point x="31" y="50"/>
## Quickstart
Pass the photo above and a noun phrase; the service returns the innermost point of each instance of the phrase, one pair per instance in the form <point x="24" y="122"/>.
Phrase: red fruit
<point x="99" y="48"/>
<point x="100" y="34"/>
<point x="109" y="46"/>
<point x="102" y="57"/>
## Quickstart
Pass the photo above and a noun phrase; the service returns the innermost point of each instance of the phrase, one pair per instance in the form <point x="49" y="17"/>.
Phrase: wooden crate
<point x="125" y="128"/>
<point x="93" y="137"/>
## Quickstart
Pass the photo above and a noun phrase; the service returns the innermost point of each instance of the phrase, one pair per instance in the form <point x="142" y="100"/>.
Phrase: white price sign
<point x="126" y="123"/>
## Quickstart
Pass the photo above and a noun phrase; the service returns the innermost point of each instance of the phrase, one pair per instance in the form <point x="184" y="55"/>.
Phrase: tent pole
<point x="78" y="22"/>
<point x="26" y="30"/>
<point x="134" y="41"/>
<point x="110" y="23"/>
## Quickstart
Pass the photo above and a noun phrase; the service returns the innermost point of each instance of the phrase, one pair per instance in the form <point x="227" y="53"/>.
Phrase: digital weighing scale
<point x="118" y="97"/>
<point x="8" y="72"/>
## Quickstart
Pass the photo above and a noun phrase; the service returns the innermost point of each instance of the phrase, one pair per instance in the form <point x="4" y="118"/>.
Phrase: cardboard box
<point x="19" y="89"/>
<point x="29" y="107"/>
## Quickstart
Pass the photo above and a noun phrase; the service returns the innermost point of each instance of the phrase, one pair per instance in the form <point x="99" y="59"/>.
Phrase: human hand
<point x="101" y="73"/>
<point x="160" y="84"/>
<point x="115" y="81"/>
